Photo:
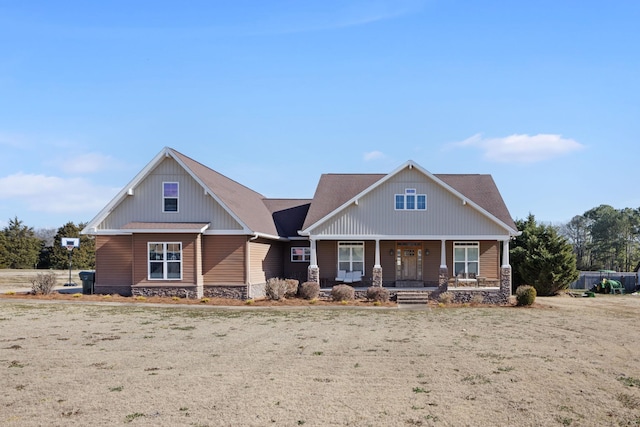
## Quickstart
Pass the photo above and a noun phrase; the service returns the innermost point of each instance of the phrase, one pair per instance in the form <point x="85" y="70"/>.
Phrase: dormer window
<point x="410" y="201"/>
<point x="170" y="196"/>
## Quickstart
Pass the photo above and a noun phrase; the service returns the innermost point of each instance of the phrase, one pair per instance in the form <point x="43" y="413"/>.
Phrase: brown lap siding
<point x="114" y="261"/>
<point x="141" y="261"/>
<point x="223" y="259"/>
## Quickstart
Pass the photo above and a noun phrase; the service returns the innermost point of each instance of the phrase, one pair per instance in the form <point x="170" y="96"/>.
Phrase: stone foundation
<point x="165" y="291"/>
<point x="232" y="292"/>
<point x="258" y="291"/>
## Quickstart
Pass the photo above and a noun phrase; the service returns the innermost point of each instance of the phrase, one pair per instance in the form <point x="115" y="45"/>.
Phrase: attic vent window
<point x="410" y="201"/>
<point x="170" y="192"/>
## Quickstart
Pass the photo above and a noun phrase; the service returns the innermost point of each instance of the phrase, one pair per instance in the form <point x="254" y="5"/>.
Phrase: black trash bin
<point x="88" y="278"/>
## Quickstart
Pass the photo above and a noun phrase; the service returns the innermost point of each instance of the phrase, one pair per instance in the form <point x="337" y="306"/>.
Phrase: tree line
<point x="22" y="247"/>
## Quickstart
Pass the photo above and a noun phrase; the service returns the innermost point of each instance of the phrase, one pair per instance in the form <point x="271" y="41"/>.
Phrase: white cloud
<point x="522" y="148"/>
<point x="89" y="163"/>
<point x="51" y="194"/>
<point x="373" y="155"/>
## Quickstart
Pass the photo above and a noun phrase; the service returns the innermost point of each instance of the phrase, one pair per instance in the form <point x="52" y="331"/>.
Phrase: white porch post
<point x="314" y="254"/>
<point x="443" y="254"/>
<point x="443" y="272"/>
<point x="505" y="253"/>
<point x="376" y="276"/>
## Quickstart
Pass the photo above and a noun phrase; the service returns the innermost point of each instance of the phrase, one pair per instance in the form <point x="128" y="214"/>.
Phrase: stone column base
<point x="443" y="279"/>
<point x="377" y="276"/>
<point x="313" y="274"/>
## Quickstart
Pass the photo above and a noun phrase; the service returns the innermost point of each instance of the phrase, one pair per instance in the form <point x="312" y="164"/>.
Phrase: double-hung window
<point x="351" y="256"/>
<point x="466" y="259"/>
<point x="410" y="201"/>
<point x="300" y="254"/>
<point x="165" y="261"/>
<point x="170" y="193"/>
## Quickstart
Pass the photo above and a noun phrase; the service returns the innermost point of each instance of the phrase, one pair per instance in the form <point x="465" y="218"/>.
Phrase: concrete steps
<point x="412" y="297"/>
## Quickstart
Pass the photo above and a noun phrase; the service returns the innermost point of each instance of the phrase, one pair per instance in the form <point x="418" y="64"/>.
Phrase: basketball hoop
<point x="70" y="247"/>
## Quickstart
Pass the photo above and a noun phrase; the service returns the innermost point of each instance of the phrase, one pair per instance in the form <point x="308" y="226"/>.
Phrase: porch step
<point x="412" y="297"/>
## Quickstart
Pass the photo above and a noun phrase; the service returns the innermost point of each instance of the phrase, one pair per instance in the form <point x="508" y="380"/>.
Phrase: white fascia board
<point x="102" y="215"/>
<point x="211" y="193"/>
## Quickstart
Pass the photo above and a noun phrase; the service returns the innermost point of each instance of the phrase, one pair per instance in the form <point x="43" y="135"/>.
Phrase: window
<point x="300" y="254"/>
<point x="351" y="256"/>
<point x="466" y="259"/>
<point x="170" y="196"/>
<point x="410" y="201"/>
<point x="165" y="261"/>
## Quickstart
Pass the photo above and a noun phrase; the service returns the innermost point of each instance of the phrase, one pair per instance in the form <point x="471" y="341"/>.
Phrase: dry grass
<point x="568" y="361"/>
<point x="21" y="279"/>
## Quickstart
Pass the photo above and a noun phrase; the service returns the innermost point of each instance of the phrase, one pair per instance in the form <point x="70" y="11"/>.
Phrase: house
<point x="181" y="228"/>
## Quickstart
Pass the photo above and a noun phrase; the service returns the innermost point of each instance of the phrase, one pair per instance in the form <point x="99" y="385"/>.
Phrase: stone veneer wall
<point x="165" y="291"/>
<point x="377" y="276"/>
<point x="233" y="292"/>
<point x="125" y="291"/>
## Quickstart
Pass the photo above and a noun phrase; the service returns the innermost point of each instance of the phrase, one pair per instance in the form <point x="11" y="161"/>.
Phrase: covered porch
<point x="419" y="264"/>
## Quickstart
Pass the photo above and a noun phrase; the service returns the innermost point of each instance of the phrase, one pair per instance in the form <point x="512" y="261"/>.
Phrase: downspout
<point x="247" y="263"/>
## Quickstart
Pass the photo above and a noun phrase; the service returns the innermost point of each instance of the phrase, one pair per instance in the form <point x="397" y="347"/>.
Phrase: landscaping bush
<point x="343" y="293"/>
<point x="445" y="298"/>
<point x="378" y="294"/>
<point x="292" y="288"/>
<point x="276" y="288"/>
<point x="309" y="290"/>
<point x="43" y="283"/>
<point x="525" y="295"/>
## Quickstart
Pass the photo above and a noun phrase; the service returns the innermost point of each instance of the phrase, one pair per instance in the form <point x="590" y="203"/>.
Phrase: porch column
<point x="377" y="268"/>
<point x="443" y="271"/>
<point x="313" y="272"/>
<point x="505" y="272"/>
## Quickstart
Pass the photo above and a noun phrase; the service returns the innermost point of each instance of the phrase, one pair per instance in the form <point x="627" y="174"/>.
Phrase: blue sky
<point x="543" y="95"/>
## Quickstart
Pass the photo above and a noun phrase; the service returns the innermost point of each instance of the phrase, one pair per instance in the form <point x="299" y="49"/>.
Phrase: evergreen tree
<point x="19" y="246"/>
<point x="83" y="257"/>
<point x="542" y="258"/>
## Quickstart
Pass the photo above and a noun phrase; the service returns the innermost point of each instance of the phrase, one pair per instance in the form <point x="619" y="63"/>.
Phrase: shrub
<point x="378" y="294"/>
<point x="310" y="290"/>
<point x="445" y="297"/>
<point x="525" y="295"/>
<point x="276" y="288"/>
<point x="43" y="283"/>
<point x="343" y="293"/>
<point x="292" y="288"/>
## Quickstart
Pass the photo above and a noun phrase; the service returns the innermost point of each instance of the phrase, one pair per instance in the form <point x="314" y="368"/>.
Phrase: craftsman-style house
<point x="181" y="228"/>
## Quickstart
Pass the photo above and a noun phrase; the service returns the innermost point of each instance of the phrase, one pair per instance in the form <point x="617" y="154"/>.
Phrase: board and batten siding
<point x="265" y="260"/>
<point x="114" y="261"/>
<point x="375" y="213"/>
<point x="141" y="258"/>
<point x="223" y="260"/>
<point x="146" y="203"/>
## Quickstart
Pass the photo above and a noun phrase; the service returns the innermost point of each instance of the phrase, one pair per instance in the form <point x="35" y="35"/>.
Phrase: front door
<point x="409" y="261"/>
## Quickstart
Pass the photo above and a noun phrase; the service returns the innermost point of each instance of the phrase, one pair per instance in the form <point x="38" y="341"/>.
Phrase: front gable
<point x="142" y="202"/>
<point x="373" y="212"/>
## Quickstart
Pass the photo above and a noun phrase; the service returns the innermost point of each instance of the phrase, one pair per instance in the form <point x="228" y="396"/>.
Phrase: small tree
<point x="542" y="258"/>
<point x="19" y="246"/>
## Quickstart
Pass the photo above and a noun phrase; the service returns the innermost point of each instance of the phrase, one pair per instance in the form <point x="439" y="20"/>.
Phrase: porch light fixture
<point x="391" y="252"/>
<point x="426" y="252"/>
